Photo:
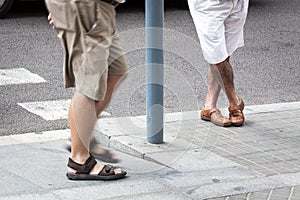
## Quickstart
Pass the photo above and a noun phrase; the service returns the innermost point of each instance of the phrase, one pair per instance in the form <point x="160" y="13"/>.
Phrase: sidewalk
<point x="260" y="160"/>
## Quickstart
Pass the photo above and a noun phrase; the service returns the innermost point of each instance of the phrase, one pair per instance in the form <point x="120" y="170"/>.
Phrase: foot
<point x="91" y="170"/>
<point x="236" y="114"/>
<point x="214" y="115"/>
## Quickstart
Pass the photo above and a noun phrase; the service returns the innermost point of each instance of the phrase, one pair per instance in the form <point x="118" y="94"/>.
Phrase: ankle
<point x="80" y="157"/>
<point x="209" y="106"/>
<point x="235" y="101"/>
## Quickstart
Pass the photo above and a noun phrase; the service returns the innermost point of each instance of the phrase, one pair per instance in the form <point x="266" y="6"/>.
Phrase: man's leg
<point x="210" y="111"/>
<point x="223" y="73"/>
<point x="213" y="90"/>
<point x="113" y="82"/>
<point x="96" y="149"/>
<point x="82" y="118"/>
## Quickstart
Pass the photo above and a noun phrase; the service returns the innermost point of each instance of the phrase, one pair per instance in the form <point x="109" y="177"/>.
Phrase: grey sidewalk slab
<point x="245" y="186"/>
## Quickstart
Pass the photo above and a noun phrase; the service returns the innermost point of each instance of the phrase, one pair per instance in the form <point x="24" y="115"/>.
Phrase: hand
<point x="51" y="21"/>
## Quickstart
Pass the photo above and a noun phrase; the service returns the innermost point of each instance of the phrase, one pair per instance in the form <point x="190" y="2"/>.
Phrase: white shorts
<point x="219" y="24"/>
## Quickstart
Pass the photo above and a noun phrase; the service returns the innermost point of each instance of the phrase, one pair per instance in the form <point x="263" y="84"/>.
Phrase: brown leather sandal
<point x="236" y="114"/>
<point x="83" y="171"/>
<point x="214" y="116"/>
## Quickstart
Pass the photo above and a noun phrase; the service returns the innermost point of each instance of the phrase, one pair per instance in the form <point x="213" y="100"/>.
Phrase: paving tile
<point x="191" y="160"/>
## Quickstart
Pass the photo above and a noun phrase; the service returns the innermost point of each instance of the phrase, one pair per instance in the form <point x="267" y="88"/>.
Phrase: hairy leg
<point x="213" y="90"/>
<point x="223" y="74"/>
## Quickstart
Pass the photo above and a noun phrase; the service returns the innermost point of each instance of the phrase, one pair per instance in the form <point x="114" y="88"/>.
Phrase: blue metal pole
<point x="154" y="62"/>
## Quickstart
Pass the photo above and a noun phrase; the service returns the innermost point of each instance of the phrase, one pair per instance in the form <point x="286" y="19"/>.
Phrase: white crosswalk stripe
<point x="51" y="110"/>
<point x="18" y="76"/>
<point x="48" y="110"/>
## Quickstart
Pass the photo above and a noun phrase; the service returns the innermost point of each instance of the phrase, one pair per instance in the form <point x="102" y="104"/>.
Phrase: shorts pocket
<point x="88" y="15"/>
<point x="62" y="14"/>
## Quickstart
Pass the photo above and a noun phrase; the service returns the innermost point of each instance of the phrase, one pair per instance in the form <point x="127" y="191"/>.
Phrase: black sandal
<point x="83" y="170"/>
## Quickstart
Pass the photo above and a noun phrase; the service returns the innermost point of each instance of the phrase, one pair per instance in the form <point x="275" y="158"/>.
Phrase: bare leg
<point x="82" y="118"/>
<point x="112" y="84"/>
<point x="223" y="74"/>
<point x="96" y="149"/>
<point x="210" y="112"/>
<point x="213" y="90"/>
<point x="79" y="148"/>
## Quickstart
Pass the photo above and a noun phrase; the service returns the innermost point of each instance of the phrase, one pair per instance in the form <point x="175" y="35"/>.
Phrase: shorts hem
<point x="234" y="49"/>
<point x="87" y="94"/>
<point x="217" y="61"/>
<point x="117" y="73"/>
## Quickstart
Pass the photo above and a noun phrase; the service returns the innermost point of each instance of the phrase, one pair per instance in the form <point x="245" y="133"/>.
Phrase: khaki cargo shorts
<point x="87" y="32"/>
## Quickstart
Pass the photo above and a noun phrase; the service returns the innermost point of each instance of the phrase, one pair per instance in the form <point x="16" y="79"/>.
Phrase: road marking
<point x="51" y="110"/>
<point x="18" y="76"/>
<point x="48" y="110"/>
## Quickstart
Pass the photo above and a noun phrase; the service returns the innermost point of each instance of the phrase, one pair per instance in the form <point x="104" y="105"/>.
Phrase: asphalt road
<point x="266" y="69"/>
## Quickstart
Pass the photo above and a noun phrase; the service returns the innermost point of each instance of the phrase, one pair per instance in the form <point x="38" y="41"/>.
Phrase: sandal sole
<point x="205" y="118"/>
<point x="222" y="125"/>
<point x="86" y="177"/>
<point x="215" y="123"/>
<point x="238" y="124"/>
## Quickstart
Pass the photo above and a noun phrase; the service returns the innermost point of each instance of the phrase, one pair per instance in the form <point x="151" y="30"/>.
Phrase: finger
<point x="49" y="17"/>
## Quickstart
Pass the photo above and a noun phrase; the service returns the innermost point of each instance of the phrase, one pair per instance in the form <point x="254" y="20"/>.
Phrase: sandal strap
<point x="236" y="113"/>
<point x="234" y="108"/>
<point x="107" y="170"/>
<point x="237" y="107"/>
<point x="83" y="168"/>
<point x="215" y="110"/>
